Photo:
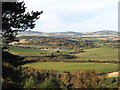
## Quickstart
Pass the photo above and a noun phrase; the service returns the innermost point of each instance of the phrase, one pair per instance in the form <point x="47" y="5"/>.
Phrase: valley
<point x="66" y="57"/>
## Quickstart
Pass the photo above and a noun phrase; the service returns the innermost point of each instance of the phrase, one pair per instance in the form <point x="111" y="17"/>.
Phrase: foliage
<point x="76" y="79"/>
<point x="30" y="82"/>
<point x="11" y="72"/>
<point x="14" y="19"/>
<point x="50" y="82"/>
<point x="58" y="42"/>
<point x="112" y="82"/>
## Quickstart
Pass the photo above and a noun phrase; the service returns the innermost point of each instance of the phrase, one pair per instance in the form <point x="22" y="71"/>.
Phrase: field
<point x="103" y="53"/>
<point x="62" y="66"/>
<point x="28" y="52"/>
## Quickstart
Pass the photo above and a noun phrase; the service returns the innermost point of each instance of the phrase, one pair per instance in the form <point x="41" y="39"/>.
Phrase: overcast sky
<point x="75" y="15"/>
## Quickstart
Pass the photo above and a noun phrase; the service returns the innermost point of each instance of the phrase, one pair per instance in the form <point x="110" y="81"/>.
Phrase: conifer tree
<point x="15" y="19"/>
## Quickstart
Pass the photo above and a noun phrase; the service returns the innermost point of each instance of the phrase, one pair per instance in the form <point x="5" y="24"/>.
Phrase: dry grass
<point x="113" y="74"/>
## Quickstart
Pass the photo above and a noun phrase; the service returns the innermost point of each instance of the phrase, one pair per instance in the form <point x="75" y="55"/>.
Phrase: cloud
<point x="106" y="21"/>
<point x="74" y="15"/>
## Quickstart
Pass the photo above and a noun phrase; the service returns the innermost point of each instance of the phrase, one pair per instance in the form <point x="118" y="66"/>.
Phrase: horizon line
<point x="70" y="31"/>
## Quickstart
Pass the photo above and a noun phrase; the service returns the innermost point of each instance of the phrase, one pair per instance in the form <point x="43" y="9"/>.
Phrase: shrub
<point x="30" y="82"/>
<point x="50" y="82"/>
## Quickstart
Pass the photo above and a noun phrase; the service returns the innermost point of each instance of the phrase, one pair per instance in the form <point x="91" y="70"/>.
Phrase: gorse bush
<point x="79" y="79"/>
<point x="112" y="82"/>
<point x="50" y="82"/>
<point x="87" y="79"/>
<point x="30" y="82"/>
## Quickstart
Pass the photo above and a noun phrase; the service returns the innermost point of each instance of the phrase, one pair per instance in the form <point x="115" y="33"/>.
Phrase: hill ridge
<point x="69" y="33"/>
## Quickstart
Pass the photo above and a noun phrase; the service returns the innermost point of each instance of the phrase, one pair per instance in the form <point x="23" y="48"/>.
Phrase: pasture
<point x="28" y="52"/>
<point x="63" y="66"/>
<point x="103" y="53"/>
<point x="33" y="52"/>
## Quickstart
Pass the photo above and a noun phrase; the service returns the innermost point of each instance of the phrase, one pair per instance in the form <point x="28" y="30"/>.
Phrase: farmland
<point x="28" y="52"/>
<point x="62" y="66"/>
<point x="37" y="48"/>
<point x="102" y="54"/>
<point x="69" y="61"/>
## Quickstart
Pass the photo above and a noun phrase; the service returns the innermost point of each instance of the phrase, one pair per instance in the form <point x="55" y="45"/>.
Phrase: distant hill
<point x="75" y="33"/>
<point x="68" y="33"/>
<point x="27" y="33"/>
<point x="104" y="32"/>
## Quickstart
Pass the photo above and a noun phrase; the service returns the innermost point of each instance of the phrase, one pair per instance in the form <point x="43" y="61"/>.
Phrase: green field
<point x="103" y="53"/>
<point x="29" y="52"/>
<point x="36" y="52"/>
<point x="62" y="66"/>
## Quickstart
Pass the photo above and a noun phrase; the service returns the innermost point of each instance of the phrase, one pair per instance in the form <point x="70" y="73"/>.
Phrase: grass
<point x="62" y="66"/>
<point x="65" y="51"/>
<point x="90" y="39"/>
<point x="24" y="51"/>
<point x="29" y="52"/>
<point x="98" y="44"/>
<point x="36" y="46"/>
<point x="103" y="53"/>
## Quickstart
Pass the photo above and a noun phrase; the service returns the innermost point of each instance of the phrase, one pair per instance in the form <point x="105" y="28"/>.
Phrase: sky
<point x="75" y="15"/>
